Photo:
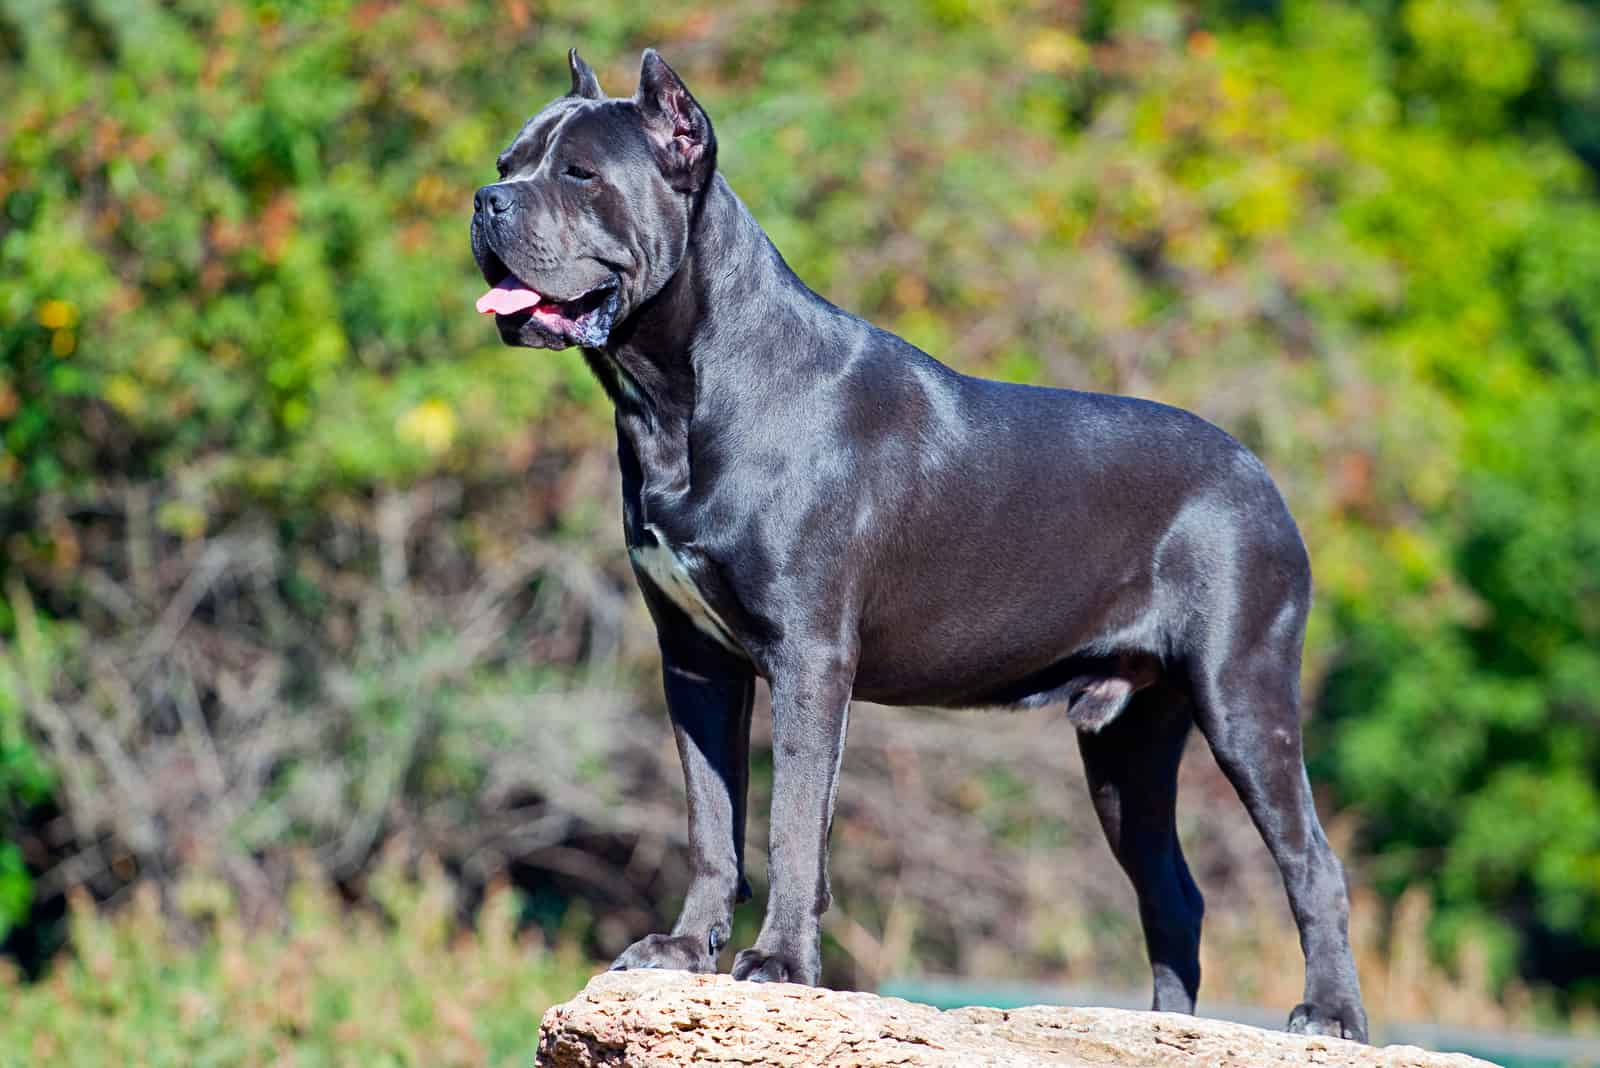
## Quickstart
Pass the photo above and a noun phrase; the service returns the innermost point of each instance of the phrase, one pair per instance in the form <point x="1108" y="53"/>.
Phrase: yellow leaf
<point x="57" y="314"/>
<point x="431" y="424"/>
<point x="1055" y="50"/>
<point x="125" y="395"/>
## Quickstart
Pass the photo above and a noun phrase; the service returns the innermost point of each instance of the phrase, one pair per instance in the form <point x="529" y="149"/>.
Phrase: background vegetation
<point x="296" y="560"/>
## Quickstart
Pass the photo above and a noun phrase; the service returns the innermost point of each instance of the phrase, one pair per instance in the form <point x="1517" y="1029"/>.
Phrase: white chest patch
<point x="674" y="581"/>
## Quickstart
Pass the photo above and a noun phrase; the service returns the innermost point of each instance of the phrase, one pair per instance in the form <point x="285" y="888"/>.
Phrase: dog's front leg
<point x="709" y="698"/>
<point x="810" y="711"/>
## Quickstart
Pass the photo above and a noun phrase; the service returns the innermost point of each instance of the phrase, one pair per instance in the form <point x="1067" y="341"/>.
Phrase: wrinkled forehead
<point x="586" y="130"/>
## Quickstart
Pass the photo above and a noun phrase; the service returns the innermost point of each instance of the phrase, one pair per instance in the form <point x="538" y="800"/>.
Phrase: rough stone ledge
<point x="645" y="1018"/>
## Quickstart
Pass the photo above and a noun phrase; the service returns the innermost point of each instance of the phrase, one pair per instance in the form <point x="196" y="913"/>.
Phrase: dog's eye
<point x="501" y="168"/>
<point x="578" y="174"/>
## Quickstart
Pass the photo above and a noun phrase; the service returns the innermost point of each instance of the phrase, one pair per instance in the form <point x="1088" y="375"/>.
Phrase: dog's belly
<point x="1001" y="680"/>
<point x="971" y="657"/>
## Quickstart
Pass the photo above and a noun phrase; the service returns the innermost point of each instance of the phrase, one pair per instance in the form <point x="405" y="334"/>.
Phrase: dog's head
<point x="591" y="215"/>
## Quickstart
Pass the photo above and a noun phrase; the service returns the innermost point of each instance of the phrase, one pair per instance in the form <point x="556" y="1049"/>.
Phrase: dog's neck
<point x="656" y="367"/>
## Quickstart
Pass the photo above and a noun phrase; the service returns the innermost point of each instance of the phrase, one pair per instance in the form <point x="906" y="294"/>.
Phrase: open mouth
<point x="584" y="320"/>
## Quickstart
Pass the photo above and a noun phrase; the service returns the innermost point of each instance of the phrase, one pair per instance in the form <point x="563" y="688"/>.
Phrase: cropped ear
<point x="584" y="83"/>
<point x="680" y="130"/>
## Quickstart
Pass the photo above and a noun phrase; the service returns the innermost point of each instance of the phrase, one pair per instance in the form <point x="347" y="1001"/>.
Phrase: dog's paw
<point x="1344" y="1020"/>
<point x="684" y="953"/>
<point x="760" y="966"/>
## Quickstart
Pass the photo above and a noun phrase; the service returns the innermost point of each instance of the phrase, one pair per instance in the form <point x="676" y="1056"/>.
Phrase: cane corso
<point x="813" y="500"/>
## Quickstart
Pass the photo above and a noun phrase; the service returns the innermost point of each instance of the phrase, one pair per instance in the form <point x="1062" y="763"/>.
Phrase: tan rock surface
<point x="645" y="1019"/>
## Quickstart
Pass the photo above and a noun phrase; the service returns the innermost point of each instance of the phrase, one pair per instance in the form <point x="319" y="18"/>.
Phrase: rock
<point x="647" y="1018"/>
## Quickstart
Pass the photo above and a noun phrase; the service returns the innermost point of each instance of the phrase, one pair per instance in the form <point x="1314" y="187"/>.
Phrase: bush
<point x="397" y="984"/>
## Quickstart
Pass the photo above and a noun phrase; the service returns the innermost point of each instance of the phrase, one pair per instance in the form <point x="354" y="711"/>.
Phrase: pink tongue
<point x="507" y="298"/>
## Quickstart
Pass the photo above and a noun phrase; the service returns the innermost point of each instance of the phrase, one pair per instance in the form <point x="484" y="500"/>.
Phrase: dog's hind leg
<point x="1247" y="705"/>
<point x="1132" y="769"/>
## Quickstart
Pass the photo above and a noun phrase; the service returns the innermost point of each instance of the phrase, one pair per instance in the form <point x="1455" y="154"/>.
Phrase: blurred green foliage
<point x="400" y="985"/>
<point x="25" y="777"/>
<point x="1362" y="237"/>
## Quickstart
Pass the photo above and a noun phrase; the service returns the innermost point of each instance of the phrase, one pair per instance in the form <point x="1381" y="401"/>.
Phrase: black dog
<point x="812" y="500"/>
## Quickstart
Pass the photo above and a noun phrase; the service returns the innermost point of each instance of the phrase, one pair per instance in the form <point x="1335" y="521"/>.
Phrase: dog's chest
<point x="673" y="576"/>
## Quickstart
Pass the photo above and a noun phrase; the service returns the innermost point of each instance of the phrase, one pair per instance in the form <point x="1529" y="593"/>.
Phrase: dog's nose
<point x="494" y="199"/>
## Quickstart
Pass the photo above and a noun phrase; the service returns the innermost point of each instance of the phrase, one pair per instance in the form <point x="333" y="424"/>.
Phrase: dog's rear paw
<point x="1345" y="1020"/>
<point x="759" y="966"/>
<point x="684" y="953"/>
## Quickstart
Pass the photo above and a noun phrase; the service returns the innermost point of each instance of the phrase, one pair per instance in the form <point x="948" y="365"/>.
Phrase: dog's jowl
<point x="812" y="500"/>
